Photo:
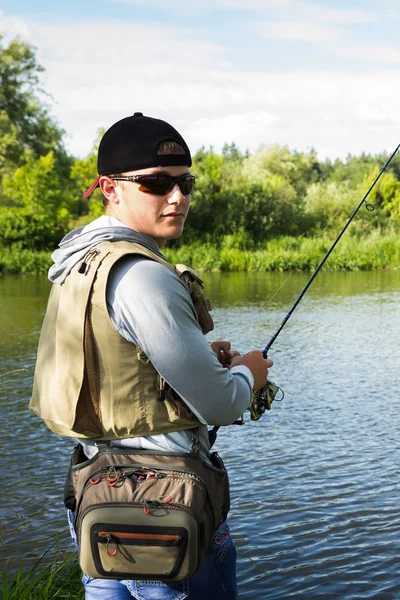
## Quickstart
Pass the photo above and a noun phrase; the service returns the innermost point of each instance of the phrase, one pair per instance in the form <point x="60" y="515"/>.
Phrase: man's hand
<point x="224" y="353"/>
<point x="257" y="364"/>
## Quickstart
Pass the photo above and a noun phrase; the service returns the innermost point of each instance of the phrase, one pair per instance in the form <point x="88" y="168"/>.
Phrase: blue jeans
<point x="215" y="579"/>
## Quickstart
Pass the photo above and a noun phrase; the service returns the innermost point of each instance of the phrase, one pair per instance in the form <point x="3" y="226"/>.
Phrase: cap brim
<point x="92" y="187"/>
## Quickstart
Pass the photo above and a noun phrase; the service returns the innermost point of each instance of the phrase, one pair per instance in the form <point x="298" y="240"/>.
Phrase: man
<point x="88" y="382"/>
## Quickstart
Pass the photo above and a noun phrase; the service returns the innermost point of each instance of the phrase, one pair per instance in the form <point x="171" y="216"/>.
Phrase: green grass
<point x="372" y="252"/>
<point x="60" y="579"/>
<point x="14" y="261"/>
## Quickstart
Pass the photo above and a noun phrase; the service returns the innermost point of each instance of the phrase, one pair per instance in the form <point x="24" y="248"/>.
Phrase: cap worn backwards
<point x="131" y="144"/>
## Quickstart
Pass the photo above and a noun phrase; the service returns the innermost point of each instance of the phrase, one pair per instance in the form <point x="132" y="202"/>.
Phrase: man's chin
<point x="174" y="235"/>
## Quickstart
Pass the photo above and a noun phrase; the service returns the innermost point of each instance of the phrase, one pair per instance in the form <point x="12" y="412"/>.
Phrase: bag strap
<point x="195" y="447"/>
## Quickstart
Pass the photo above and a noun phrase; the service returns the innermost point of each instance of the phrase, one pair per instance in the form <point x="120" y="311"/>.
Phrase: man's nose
<point x="175" y="196"/>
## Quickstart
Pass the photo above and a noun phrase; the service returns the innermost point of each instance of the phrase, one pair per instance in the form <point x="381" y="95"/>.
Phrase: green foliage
<point x="33" y="213"/>
<point x="285" y="253"/>
<point x="36" y="191"/>
<point x="235" y="253"/>
<point x="260" y="194"/>
<point x="83" y="173"/>
<point x="14" y="261"/>
<point x="26" y="126"/>
<point x="34" y="186"/>
<point x="355" y="168"/>
<point x="240" y="203"/>
<point x="208" y="205"/>
<point x="11" y="153"/>
<point x="60" y="579"/>
<point x="387" y="196"/>
<point x="327" y="203"/>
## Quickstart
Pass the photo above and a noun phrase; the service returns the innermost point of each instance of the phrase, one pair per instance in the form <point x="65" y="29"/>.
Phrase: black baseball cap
<point x="131" y="144"/>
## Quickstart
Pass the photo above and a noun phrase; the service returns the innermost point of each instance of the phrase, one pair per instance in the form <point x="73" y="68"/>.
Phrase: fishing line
<point x="264" y="397"/>
<point x="254" y="562"/>
<point x="328" y="253"/>
<point x="303" y="256"/>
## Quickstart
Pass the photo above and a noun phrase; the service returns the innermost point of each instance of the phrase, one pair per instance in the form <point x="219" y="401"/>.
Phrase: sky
<point x="321" y="75"/>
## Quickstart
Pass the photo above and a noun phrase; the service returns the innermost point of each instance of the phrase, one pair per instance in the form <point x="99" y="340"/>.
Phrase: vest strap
<point x="195" y="447"/>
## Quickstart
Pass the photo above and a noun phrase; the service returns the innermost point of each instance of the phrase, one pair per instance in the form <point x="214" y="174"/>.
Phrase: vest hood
<point x="77" y="243"/>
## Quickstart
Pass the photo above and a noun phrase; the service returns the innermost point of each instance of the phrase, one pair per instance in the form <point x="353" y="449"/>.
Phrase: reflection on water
<point x="315" y="482"/>
<point x="240" y="289"/>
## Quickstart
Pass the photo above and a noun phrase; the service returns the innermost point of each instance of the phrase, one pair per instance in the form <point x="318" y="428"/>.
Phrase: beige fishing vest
<point x="90" y="382"/>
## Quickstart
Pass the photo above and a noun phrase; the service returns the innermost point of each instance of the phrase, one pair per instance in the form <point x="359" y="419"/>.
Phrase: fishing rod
<point x="263" y="398"/>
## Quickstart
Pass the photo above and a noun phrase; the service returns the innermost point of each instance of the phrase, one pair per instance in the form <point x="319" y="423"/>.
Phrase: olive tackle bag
<point x="145" y="514"/>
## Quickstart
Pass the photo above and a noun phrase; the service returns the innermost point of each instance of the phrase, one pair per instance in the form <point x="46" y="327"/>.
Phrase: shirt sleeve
<point x="149" y="306"/>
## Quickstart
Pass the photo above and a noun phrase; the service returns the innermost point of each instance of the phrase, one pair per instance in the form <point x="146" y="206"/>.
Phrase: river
<point x="315" y="482"/>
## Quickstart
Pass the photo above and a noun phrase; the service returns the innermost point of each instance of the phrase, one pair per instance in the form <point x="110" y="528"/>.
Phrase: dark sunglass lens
<point x="154" y="184"/>
<point x="186" y="185"/>
<point x="160" y="185"/>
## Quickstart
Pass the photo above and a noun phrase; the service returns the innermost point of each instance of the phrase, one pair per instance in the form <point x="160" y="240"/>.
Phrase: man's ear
<point x="109" y="189"/>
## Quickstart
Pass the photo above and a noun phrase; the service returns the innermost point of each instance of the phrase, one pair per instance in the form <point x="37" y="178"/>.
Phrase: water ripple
<point x="315" y="483"/>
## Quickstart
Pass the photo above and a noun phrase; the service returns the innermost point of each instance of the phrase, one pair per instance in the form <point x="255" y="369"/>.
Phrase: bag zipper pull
<point x="110" y="541"/>
<point x="146" y="507"/>
<point x="113" y="477"/>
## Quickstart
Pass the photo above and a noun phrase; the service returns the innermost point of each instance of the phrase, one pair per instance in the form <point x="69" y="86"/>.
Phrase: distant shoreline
<point x="375" y="251"/>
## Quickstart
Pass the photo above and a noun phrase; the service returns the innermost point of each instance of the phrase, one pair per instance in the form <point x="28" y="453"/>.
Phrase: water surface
<point x="315" y="482"/>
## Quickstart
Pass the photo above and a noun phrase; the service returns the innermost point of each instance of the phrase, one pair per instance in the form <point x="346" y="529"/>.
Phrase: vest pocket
<point x="150" y="551"/>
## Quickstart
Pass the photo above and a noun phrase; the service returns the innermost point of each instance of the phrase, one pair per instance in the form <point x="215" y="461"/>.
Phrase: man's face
<point x="160" y="217"/>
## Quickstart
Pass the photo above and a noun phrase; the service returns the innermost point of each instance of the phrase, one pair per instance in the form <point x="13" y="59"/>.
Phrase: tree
<point x="271" y="203"/>
<point x="35" y="214"/>
<point x="207" y="212"/>
<point x="386" y="195"/>
<point x="26" y="128"/>
<point x="83" y="173"/>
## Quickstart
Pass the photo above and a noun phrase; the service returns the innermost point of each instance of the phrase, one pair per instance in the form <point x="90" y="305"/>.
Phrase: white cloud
<point x="329" y="28"/>
<point x="234" y="127"/>
<point x="184" y="6"/>
<point x="330" y="15"/>
<point x="99" y="73"/>
<point x="387" y="55"/>
<point x="311" y="109"/>
<point x="311" y="22"/>
<point x="296" y="8"/>
<point x="297" y="30"/>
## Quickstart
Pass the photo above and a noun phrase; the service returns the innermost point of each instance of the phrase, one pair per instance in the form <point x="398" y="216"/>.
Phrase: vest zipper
<point x="84" y="267"/>
<point x="161" y="391"/>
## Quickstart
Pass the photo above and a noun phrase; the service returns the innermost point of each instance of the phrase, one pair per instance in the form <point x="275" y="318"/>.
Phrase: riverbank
<point x="372" y="252"/>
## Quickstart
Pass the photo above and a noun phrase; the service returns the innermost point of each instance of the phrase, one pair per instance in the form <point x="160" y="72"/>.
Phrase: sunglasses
<point x="160" y="184"/>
